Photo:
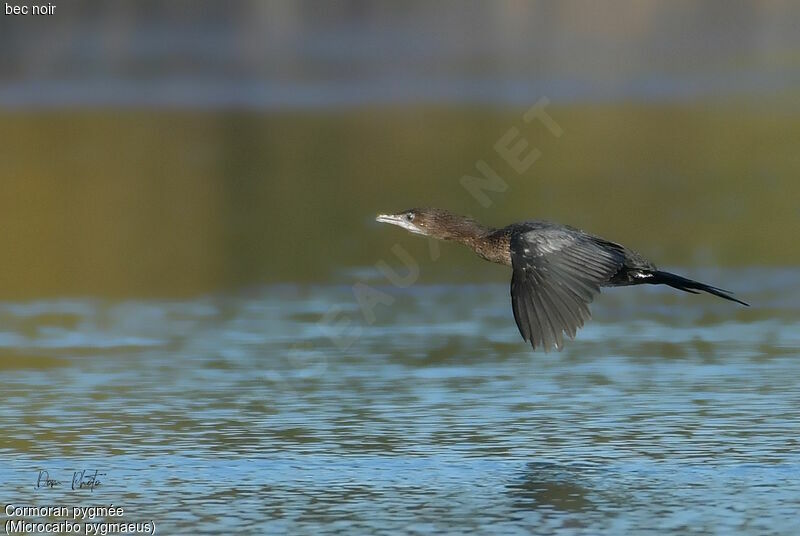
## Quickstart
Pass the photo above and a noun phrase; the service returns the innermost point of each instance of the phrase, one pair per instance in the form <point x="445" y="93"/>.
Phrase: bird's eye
<point x="409" y="216"/>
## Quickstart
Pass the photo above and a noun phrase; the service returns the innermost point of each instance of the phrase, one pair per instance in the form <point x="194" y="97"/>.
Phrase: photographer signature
<point x="85" y="479"/>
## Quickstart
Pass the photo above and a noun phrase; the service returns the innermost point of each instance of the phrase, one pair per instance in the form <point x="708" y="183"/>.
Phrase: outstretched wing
<point x="557" y="272"/>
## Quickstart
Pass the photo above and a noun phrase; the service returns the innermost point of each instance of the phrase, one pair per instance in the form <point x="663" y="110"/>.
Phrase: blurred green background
<point x="153" y="149"/>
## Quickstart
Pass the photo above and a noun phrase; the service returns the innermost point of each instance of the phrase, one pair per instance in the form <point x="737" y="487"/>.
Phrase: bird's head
<point x="434" y="222"/>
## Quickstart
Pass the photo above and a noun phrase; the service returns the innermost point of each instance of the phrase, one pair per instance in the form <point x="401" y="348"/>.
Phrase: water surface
<point x="246" y="412"/>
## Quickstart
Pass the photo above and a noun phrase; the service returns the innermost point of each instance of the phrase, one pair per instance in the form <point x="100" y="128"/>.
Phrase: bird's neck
<point x="488" y="243"/>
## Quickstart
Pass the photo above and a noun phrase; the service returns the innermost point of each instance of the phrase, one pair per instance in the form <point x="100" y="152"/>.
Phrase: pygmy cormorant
<point x="556" y="270"/>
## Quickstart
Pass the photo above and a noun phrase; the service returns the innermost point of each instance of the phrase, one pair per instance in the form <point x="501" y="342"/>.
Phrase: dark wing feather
<point x="557" y="273"/>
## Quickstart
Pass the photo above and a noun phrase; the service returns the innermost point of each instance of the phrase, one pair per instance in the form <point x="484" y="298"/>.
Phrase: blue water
<point x="240" y="413"/>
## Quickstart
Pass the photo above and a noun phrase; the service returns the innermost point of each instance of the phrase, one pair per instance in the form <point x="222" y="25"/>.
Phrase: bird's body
<point x="557" y="270"/>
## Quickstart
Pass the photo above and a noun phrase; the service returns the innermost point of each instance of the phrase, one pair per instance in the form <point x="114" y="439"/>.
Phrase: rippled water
<point x="247" y="413"/>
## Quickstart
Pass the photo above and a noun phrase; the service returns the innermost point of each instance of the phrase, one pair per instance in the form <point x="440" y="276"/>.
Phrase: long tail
<point x="688" y="285"/>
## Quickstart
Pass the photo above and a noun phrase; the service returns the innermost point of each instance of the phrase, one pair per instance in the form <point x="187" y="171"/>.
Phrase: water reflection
<point x="231" y="204"/>
<point x="547" y="485"/>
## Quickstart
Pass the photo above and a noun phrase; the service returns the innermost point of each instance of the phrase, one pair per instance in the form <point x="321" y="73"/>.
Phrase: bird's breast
<point x="494" y="248"/>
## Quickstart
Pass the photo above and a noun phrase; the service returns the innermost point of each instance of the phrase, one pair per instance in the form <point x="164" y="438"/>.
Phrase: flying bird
<point x="557" y="270"/>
